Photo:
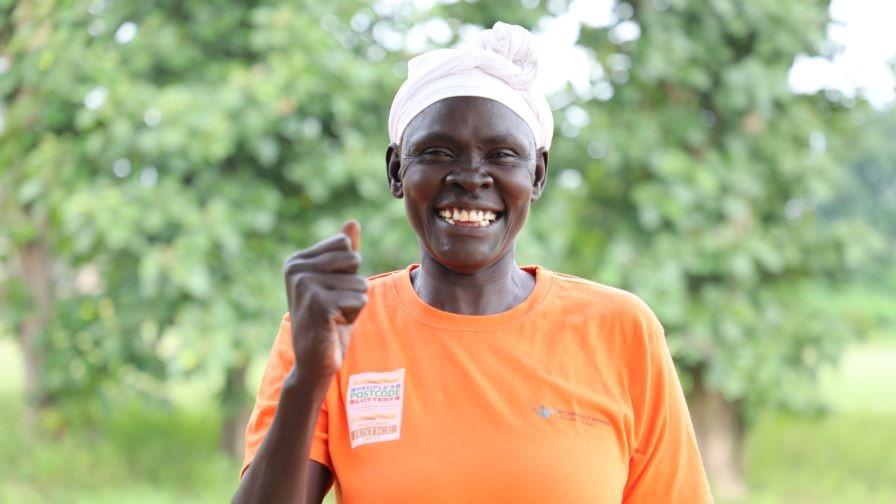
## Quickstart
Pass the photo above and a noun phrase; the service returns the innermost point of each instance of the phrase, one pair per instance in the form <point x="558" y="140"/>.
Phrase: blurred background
<point x="730" y="162"/>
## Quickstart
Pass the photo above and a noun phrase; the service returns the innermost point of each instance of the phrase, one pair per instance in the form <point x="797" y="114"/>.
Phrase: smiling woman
<point x="468" y="170"/>
<point x="466" y="378"/>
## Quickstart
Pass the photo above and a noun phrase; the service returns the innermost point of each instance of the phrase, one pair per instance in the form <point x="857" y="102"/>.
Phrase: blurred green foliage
<point x="147" y="454"/>
<point x="180" y="167"/>
<point x="169" y="155"/>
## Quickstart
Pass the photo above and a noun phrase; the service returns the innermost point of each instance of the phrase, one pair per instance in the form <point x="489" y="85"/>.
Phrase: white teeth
<point x="481" y="218"/>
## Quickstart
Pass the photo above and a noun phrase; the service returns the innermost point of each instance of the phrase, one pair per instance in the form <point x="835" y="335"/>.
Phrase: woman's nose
<point x="471" y="176"/>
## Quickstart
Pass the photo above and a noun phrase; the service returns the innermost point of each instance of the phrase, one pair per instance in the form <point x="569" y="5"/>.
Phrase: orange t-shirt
<point x="571" y="396"/>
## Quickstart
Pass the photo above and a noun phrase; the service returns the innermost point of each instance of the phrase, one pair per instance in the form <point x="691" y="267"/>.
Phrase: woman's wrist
<point x="306" y="384"/>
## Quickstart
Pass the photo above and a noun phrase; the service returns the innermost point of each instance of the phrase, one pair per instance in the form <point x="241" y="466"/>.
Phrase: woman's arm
<point x="325" y="295"/>
<point x="281" y="470"/>
<point x="665" y="464"/>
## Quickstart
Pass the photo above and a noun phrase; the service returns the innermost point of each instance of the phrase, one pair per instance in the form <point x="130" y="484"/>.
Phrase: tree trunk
<point x="35" y="268"/>
<point x="235" y="405"/>
<point x="720" y="435"/>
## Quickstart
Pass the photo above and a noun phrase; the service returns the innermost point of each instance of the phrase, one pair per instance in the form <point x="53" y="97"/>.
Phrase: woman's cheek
<point x="421" y="183"/>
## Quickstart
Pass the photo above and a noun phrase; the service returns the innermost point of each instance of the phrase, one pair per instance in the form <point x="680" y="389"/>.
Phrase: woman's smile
<point x="463" y="217"/>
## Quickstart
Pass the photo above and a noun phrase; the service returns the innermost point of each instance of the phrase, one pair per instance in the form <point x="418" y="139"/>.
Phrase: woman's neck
<point x="494" y="289"/>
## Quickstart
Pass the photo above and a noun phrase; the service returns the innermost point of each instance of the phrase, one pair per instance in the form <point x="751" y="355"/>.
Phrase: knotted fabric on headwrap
<point x="503" y="68"/>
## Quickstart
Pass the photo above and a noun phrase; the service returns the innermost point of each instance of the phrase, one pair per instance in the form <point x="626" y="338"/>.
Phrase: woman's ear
<point x="541" y="173"/>
<point x="393" y="170"/>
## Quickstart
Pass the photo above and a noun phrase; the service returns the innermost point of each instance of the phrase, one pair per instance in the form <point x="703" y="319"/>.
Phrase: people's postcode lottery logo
<point x="373" y="403"/>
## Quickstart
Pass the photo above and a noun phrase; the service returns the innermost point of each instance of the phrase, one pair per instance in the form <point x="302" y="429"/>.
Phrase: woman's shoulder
<point x="385" y="276"/>
<point x="578" y="293"/>
<point x="376" y="284"/>
<point x="616" y="311"/>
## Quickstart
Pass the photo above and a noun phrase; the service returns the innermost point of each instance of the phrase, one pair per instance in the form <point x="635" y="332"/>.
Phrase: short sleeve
<point x="665" y="464"/>
<point x="280" y="363"/>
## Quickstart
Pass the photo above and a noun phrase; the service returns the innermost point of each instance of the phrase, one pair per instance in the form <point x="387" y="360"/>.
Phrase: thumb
<point x="352" y="229"/>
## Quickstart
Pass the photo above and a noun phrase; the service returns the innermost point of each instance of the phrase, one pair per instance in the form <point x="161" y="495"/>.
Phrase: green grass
<point x="865" y="379"/>
<point x="140" y="453"/>
<point x="148" y="454"/>
<point x="843" y="458"/>
<point x="847" y="456"/>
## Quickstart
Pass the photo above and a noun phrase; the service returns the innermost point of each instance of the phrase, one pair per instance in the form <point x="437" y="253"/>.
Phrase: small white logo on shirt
<point x="373" y="404"/>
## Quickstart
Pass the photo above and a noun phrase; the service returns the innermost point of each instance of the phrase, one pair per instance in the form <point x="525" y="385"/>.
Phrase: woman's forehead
<point x="468" y="117"/>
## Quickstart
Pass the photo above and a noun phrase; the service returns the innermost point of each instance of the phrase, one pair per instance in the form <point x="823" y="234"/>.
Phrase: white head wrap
<point x="503" y="68"/>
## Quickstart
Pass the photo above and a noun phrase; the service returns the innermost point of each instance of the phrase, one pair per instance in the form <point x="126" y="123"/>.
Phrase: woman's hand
<point x="325" y="296"/>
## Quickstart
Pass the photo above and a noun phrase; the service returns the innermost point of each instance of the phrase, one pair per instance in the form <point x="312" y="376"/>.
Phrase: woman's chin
<point x="466" y="262"/>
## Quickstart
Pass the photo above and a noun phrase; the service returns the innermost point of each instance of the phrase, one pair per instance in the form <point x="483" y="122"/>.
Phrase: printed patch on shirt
<point x="373" y="405"/>
<point x="568" y="415"/>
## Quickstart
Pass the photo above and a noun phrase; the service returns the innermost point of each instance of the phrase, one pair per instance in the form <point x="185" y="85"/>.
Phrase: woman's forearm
<point x="280" y="470"/>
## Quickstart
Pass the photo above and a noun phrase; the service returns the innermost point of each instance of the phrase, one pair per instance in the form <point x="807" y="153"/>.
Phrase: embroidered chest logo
<point x="373" y="404"/>
<point x="543" y="411"/>
<point x="567" y="415"/>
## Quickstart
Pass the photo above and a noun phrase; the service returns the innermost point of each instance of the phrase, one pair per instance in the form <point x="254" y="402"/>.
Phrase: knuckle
<point x="320" y="244"/>
<point x="301" y="280"/>
<point x="294" y="264"/>
<point x="315" y="297"/>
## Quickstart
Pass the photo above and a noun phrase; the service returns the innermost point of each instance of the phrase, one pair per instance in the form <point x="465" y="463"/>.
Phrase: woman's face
<point x="468" y="170"/>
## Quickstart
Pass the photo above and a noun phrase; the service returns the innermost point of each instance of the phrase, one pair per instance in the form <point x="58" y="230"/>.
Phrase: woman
<point x="466" y="378"/>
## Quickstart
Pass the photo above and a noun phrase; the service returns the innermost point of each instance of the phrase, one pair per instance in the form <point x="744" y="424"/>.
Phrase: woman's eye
<point x="503" y="154"/>
<point x="436" y="152"/>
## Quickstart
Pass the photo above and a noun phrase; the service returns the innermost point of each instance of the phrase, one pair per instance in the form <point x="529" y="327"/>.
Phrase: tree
<point x="159" y="163"/>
